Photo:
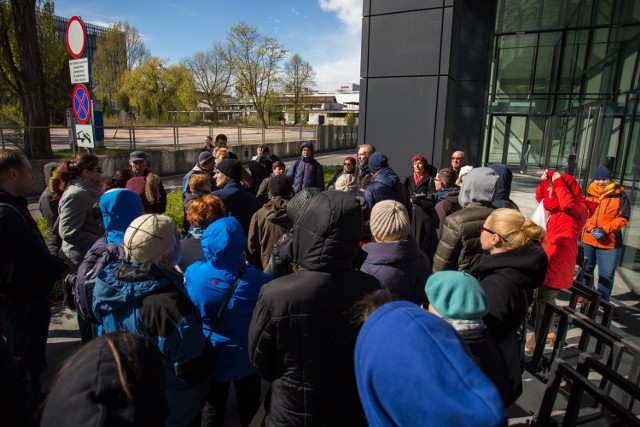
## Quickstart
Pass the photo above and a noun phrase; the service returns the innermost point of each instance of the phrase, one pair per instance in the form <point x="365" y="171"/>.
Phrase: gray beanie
<point x="389" y="221"/>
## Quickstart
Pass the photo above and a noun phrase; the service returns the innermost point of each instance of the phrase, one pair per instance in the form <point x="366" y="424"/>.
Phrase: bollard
<point x="2" y="138"/>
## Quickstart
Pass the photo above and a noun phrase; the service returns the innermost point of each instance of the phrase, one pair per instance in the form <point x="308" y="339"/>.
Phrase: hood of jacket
<point x="525" y="266"/>
<point x="87" y="185"/>
<point x="326" y="236"/>
<point x="277" y="211"/>
<point x="310" y="145"/>
<point x="452" y="195"/>
<point x="88" y="392"/>
<point x="480" y="185"/>
<point x="445" y="384"/>
<point x="223" y="244"/>
<point x="48" y="169"/>
<point x="119" y="208"/>
<point x="505" y="176"/>
<point x="387" y="177"/>
<point x="384" y="253"/>
<point x="120" y="282"/>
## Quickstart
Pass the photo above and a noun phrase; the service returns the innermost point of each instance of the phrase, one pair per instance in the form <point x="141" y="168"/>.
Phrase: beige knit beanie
<point x="346" y="182"/>
<point x="389" y="221"/>
<point x="149" y="237"/>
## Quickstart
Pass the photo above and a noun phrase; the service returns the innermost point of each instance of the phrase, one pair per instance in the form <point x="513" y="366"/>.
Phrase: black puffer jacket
<point x="302" y="337"/>
<point x="508" y="280"/>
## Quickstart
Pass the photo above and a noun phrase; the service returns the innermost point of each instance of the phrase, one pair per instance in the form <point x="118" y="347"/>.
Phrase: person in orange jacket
<point x="602" y="235"/>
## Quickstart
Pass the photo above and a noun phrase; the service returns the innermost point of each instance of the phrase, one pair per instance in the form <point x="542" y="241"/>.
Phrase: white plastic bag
<point x="540" y="216"/>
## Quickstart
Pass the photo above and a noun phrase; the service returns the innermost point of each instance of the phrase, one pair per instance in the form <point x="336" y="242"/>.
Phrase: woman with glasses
<point x="512" y="267"/>
<point x="348" y="167"/>
<point x="78" y="226"/>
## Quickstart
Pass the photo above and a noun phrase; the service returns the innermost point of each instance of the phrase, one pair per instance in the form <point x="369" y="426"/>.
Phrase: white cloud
<point x="349" y="12"/>
<point x="341" y="65"/>
<point x="295" y="12"/>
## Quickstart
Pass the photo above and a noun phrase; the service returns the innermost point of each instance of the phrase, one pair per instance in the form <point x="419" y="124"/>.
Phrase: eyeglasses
<point x="457" y="158"/>
<point x="437" y="179"/>
<point x="483" y="228"/>
<point x="98" y="170"/>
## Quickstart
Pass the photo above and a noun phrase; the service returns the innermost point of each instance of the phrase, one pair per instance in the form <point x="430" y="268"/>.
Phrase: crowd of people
<point x="366" y="300"/>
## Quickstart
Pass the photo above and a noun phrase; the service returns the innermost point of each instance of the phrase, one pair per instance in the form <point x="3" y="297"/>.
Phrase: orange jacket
<point x="609" y="211"/>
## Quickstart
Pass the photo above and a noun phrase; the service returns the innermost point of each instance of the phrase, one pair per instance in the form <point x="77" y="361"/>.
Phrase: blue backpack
<point x="81" y="283"/>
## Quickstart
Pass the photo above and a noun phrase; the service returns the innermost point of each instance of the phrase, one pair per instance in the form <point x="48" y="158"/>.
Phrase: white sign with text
<point x="79" y="70"/>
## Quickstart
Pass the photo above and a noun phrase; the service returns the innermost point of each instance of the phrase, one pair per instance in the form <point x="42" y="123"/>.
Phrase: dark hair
<point x="120" y="177"/>
<point x="221" y="136"/>
<point x="12" y="159"/>
<point x="71" y="169"/>
<point x="278" y="163"/>
<point x="371" y="302"/>
<point x="448" y="176"/>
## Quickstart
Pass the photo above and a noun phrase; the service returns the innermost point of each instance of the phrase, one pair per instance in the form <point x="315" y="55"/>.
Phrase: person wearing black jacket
<point x="513" y="268"/>
<point x="24" y="290"/>
<point x="302" y="335"/>
<point x="420" y="187"/>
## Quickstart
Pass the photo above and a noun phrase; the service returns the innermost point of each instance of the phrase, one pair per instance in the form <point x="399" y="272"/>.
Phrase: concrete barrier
<point x="166" y="162"/>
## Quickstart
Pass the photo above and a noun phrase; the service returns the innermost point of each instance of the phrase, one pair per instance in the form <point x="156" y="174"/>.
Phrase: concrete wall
<point x="425" y="71"/>
<point x="176" y="162"/>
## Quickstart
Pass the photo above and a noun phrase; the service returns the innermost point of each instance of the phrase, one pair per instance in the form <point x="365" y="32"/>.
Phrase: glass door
<point x="588" y="133"/>
<point x="507" y="141"/>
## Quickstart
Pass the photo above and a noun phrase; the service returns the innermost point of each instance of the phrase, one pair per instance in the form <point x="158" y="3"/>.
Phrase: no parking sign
<point x="81" y="102"/>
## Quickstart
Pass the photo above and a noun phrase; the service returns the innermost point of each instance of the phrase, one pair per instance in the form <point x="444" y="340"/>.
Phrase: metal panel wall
<point x="425" y="71"/>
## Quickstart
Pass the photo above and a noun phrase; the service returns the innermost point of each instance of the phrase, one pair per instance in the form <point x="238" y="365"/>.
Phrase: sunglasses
<point x="347" y="164"/>
<point x="98" y="170"/>
<point x="483" y="228"/>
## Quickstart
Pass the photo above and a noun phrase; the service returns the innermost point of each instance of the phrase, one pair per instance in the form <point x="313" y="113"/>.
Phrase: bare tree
<point x="211" y="71"/>
<point x="299" y="81"/>
<point x="255" y="59"/>
<point x="21" y="69"/>
<point x="136" y="50"/>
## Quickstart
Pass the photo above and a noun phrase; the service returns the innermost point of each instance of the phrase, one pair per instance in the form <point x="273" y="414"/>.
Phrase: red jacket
<point x="567" y="215"/>
<point x="611" y="213"/>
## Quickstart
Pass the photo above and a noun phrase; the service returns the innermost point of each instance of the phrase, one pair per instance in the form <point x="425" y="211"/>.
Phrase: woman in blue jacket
<point x="207" y="283"/>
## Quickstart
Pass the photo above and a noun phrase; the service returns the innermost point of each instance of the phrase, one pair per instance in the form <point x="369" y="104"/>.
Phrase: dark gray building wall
<point x="425" y="72"/>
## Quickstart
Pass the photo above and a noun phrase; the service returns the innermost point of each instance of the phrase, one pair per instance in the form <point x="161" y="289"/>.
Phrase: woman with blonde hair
<point x="513" y="268"/>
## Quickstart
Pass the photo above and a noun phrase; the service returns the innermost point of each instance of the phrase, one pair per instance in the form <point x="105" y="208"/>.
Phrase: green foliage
<point x="156" y="89"/>
<point x="350" y="119"/>
<point x="175" y="209"/>
<point x="329" y="171"/>
<point x="42" y="226"/>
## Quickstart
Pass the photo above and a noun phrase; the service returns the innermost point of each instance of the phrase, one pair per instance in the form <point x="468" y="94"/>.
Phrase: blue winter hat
<point x="119" y="208"/>
<point x="456" y="295"/>
<point x="444" y="385"/>
<point x="601" y="172"/>
<point x="378" y="161"/>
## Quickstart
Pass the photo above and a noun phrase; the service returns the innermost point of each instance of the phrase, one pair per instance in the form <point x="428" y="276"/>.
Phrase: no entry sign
<point x="81" y="103"/>
<point x="76" y="37"/>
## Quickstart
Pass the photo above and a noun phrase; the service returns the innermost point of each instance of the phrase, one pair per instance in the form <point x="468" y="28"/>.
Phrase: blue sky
<point x="327" y="33"/>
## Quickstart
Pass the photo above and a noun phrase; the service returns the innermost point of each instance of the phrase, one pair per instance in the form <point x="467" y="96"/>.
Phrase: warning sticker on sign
<point x="84" y="136"/>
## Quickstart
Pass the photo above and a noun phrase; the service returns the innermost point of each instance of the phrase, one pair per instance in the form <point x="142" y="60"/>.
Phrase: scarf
<point x="417" y="177"/>
<point x="601" y="193"/>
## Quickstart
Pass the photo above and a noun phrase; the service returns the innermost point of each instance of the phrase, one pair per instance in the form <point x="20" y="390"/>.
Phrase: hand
<point x="598" y="232"/>
<point x="543" y="175"/>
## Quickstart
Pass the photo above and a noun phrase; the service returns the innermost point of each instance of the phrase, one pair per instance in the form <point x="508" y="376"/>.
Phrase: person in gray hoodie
<point x="459" y="245"/>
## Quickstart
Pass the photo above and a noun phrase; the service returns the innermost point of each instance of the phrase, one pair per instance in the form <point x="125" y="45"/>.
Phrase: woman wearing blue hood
<point x="224" y="280"/>
<point x="306" y="172"/>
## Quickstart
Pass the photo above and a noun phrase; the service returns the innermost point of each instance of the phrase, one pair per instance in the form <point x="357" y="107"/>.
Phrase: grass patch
<point x="329" y="171"/>
<point x="42" y="226"/>
<point x="175" y="209"/>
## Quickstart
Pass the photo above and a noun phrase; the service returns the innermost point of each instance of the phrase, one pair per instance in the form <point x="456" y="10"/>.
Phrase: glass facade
<point x="563" y="95"/>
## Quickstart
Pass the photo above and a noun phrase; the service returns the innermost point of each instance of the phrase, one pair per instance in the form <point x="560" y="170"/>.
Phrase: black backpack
<point x="83" y="282"/>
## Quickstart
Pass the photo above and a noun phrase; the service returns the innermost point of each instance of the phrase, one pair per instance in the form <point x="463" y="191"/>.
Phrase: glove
<point x="598" y="232"/>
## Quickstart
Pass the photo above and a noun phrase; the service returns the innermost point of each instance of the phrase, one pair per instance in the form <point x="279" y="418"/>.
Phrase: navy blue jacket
<point x="240" y="203"/>
<point x="386" y="185"/>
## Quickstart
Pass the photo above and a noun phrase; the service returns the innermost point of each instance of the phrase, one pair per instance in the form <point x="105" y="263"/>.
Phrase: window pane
<point x="547" y="62"/>
<point x="515" y="65"/>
